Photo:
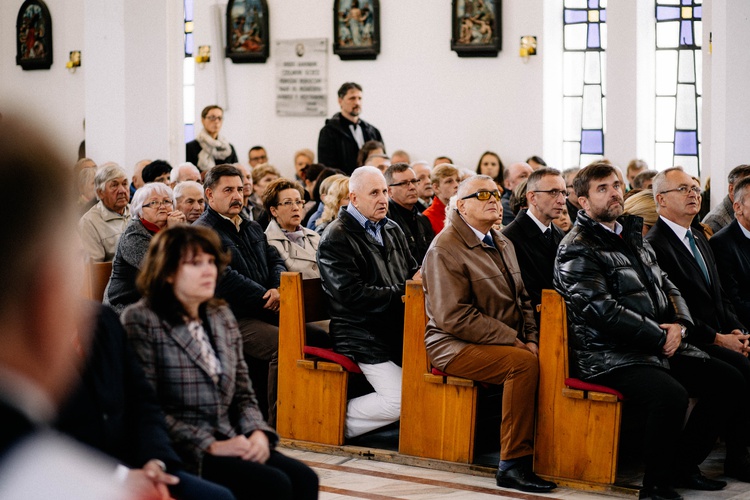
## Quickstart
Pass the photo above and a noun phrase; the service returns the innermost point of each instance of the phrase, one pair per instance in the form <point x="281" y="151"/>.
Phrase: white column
<point x="133" y="53"/>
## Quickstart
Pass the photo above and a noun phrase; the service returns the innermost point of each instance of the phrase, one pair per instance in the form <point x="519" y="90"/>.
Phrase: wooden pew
<point x="96" y="279"/>
<point x="438" y="412"/>
<point x="311" y="404"/>
<point x="577" y="427"/>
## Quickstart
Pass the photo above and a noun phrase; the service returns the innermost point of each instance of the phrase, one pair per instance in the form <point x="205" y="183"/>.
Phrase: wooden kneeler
<point x="438" y="413"/>
<point x="577" y="430"/>
<point x="311" y="403"/>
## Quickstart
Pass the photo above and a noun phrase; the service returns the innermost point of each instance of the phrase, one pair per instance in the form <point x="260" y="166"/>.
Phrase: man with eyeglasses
<point x="256" y="156"/>
<point x="481" y="325"/>
<point x="402" y="190"/>
<point x="685" y="255"/>
<point x="533" y="234"/>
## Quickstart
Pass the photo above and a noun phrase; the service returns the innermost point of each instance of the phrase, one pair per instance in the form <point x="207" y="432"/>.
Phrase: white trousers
<point x="377" y="409"/>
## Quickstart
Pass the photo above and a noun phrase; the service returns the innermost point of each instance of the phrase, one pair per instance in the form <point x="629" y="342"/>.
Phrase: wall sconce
<point x="204" y="55"/>
<point x="74" y="62"/>
<point x="528" y="47"/>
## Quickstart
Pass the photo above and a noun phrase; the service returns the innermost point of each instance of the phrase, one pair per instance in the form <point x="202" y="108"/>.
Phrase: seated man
<point x="189" y="199"/>
<point x="731" y="246"/>
<point x="102" y="225"/>
<point x="402" y="191"/>
<point x="364" y="263"/>
<point x="627" y="322"/>
<point x="184" y="172"/>
<point x="481" y="325"/>
<point x="115" y="410"/>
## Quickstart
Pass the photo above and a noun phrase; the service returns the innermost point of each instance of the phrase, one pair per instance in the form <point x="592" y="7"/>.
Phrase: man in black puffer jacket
<point x="627" y="321"/>
<point x="364" y="263"/>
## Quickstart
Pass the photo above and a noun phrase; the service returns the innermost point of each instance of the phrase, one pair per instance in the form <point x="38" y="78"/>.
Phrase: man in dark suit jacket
<point x="533" y="234"/>
<point x="402" y="209"/>
<point x="731" y="246"/>
<point x="115" y="410"/>
<point x="688" y="261"/>
<point x="345" y="133"/>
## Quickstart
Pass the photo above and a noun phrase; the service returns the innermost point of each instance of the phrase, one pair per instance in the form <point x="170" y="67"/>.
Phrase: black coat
<point x="709" y="306"/>
<point x="364" y="283"/>
<point x="535" y="254"/>
<point x="416" y="227"/>
<point x="193" y="149"/>
<point x="113" y="408"/>
<point x="255" y="267"/>
<point x="616" y="297"/>
<point x="336" y="145"/>
<point x="732" y="251"/>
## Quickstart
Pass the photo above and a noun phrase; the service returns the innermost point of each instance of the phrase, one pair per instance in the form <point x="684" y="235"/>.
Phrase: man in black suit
<point x="731" y="246"/>
<point x="402" y="209"/>
<point x="115" y="410"/>
<point x="533" y="234"/>
<point x="687" y="259"/>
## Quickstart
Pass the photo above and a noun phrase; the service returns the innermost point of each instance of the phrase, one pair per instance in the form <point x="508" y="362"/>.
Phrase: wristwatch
<point x="683" y="331"/>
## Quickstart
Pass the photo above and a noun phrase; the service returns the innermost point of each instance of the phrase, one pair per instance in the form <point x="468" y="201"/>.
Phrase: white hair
<point x="174" y="176"/>
<point x="144" y="193"/>
<point x="357" y="181"/>
<point x="107" y="172"/>
<point x="182" y="186"/>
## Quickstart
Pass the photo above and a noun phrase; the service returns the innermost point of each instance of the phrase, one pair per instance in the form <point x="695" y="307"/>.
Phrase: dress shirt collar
<point x="541" y="226"/>
<point x="617" y="230"/>
<point x="236" y="220"/>
<point x="474" y="230"/>
<point x="744" y="230"/>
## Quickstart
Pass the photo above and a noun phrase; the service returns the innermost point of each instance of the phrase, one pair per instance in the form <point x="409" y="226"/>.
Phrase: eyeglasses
<point x="683" y="190"/>
<point x="159" y="204"/>
<point x="552" y="192"/>
<point x="413" y="182"/>
<point x="484" y="195"/>
<point x="213" y="118"/>
<point x="289" y="203"/>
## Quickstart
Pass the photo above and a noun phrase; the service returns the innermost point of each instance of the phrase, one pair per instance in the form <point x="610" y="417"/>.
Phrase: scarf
<point x="211" y="150"/>
<point x="297" y="236"/>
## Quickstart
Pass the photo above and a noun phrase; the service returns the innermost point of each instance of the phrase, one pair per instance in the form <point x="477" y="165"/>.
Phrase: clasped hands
<point x="254" y="448"/>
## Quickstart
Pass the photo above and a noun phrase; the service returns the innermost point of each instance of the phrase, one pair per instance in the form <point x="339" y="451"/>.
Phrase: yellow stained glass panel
<point x="593" y="16"/>
<point x="687" y="12"/>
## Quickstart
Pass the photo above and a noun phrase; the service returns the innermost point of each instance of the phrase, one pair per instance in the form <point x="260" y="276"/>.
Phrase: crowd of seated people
<point x="518" y="229"/>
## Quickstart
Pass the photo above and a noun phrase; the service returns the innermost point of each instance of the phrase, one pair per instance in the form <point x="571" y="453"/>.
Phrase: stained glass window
<point x="584" y="86"/>
<point x="679" y="29"/>
<point x="188" y="75"/>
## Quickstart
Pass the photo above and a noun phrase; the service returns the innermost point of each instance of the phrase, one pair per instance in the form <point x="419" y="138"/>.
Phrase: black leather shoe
<point x="698" y="481"/>
<point x="660" y="493"/>
<point x="521" y="477"/>
<point x="738" y="468"/>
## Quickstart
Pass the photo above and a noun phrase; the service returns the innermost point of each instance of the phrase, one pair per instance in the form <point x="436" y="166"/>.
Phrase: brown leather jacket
<point x="468" y="295"/>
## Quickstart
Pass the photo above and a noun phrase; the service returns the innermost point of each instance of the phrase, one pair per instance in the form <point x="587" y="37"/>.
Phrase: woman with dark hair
<point x="491" y="164"/>
<point x="191" y="351"/>
<point x="369" y="148"/>
<point x="209" y="148"/>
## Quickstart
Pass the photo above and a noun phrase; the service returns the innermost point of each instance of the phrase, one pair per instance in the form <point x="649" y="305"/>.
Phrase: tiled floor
<point x="344" y="477"/>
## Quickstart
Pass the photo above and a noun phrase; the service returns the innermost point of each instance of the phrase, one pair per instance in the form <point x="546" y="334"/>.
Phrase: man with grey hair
<point x="184" y="172"/>
<point x="573" y="206"/>
<point x="512" y="177"/>
<point x="481" y="325"/>
<point x="379" y="161"/>
<point x="644" y="180"/>
<point x="731" y="246"/>
<point x="189" y="199"/>
<point x="723" y="214"/>
<point x="424" y="190"/>
<point x="102" y="225"/>
<point x="364" y="263"/>
<point x="402" y="190"/>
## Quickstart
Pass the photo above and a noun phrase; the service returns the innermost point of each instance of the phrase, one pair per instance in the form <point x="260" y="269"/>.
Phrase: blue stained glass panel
<point x="593" y="4"/>
<point x="687" y="2"/>
<point x="686" y="142"/>
<point x="667" y="13"/>
<point x="686" y="33"/>
<point x="188" y="10"/>
<point x="698" y="12"/>
<point x="575" y="16"/>
<point x="592" y="142"/>
<point x="189" y="132"/>
<point x="593" y="39"/>
<point x="188" y="44"/>
<point x="603" y="16"/>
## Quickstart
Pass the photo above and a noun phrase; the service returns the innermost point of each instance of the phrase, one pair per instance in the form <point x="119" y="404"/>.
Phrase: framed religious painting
<point x="34" y="36"/>
<point x="247" y="31"/>
<point x="476" y="28"/>
<point x="356" y="29"/>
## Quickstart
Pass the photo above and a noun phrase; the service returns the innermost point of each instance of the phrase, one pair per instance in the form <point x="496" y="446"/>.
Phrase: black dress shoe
<point x="738" y="467"/>
<point x="521" y="477"/>
<point x="698" y="481"/>
<point x="659" y="493"/>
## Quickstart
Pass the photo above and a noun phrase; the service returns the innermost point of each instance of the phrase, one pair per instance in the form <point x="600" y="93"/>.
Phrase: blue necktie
<point x="698" y="256"/>
<point x="488" y="240"/>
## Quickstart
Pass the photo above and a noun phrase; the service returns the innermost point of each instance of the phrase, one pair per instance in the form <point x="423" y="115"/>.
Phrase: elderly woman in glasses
<point x="209" y="148"/>
<point x="297" y="245"/>
<point x="152" y="209"/>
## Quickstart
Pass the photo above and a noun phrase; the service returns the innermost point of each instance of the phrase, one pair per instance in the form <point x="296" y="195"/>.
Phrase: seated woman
<point x="296" y="245"/>
<point x="153" y="210"/>
<point x="336" y="196"/>
<point x="263" y="175"/>
<point x="191" y="351"/>
<point x="209" y="148"/>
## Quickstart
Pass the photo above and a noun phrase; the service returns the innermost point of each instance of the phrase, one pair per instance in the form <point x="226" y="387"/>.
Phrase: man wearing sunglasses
<point x="403" y="197"/>
<point x="481" y="325"/>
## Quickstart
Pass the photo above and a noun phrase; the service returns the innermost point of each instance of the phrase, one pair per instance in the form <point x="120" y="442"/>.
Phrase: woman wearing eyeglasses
<point x="153" y="209"/>
<point x="209" y="148"/>
<point x="297" y="245"/>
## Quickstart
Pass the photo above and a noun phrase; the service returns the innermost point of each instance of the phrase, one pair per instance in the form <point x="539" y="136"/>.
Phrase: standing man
<point x="345" y="133"/>
<point x="626" y="321"/>
<point x="444" y="179"/>
<point x="512" y="177"/>
<point x="402" y="190"/>
<point x="257" y="156"/>
<point x="533" y="234"/>
<point x="102" y="225"/>
<point x="364" y="263"/>
<point x="188" y="199"/>
<point x="723" y="214"/>
<point x="481" y="324"/>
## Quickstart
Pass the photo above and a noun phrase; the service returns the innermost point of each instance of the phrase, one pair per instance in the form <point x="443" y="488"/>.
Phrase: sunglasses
<point x="484" y="195"/>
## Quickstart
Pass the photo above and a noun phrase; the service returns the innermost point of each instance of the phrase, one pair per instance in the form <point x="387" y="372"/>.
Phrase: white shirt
<point x="744" y="230"/>
<point x="541" y="226"/>
<point x="680" y="231"/>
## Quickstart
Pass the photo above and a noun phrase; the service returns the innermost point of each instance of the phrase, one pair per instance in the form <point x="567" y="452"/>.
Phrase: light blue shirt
<point x="372" y="228"/>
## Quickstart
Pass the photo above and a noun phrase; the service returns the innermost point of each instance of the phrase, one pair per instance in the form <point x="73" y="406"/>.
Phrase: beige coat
<point x="295" y="257"/>
<point x="468" y="296"/>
